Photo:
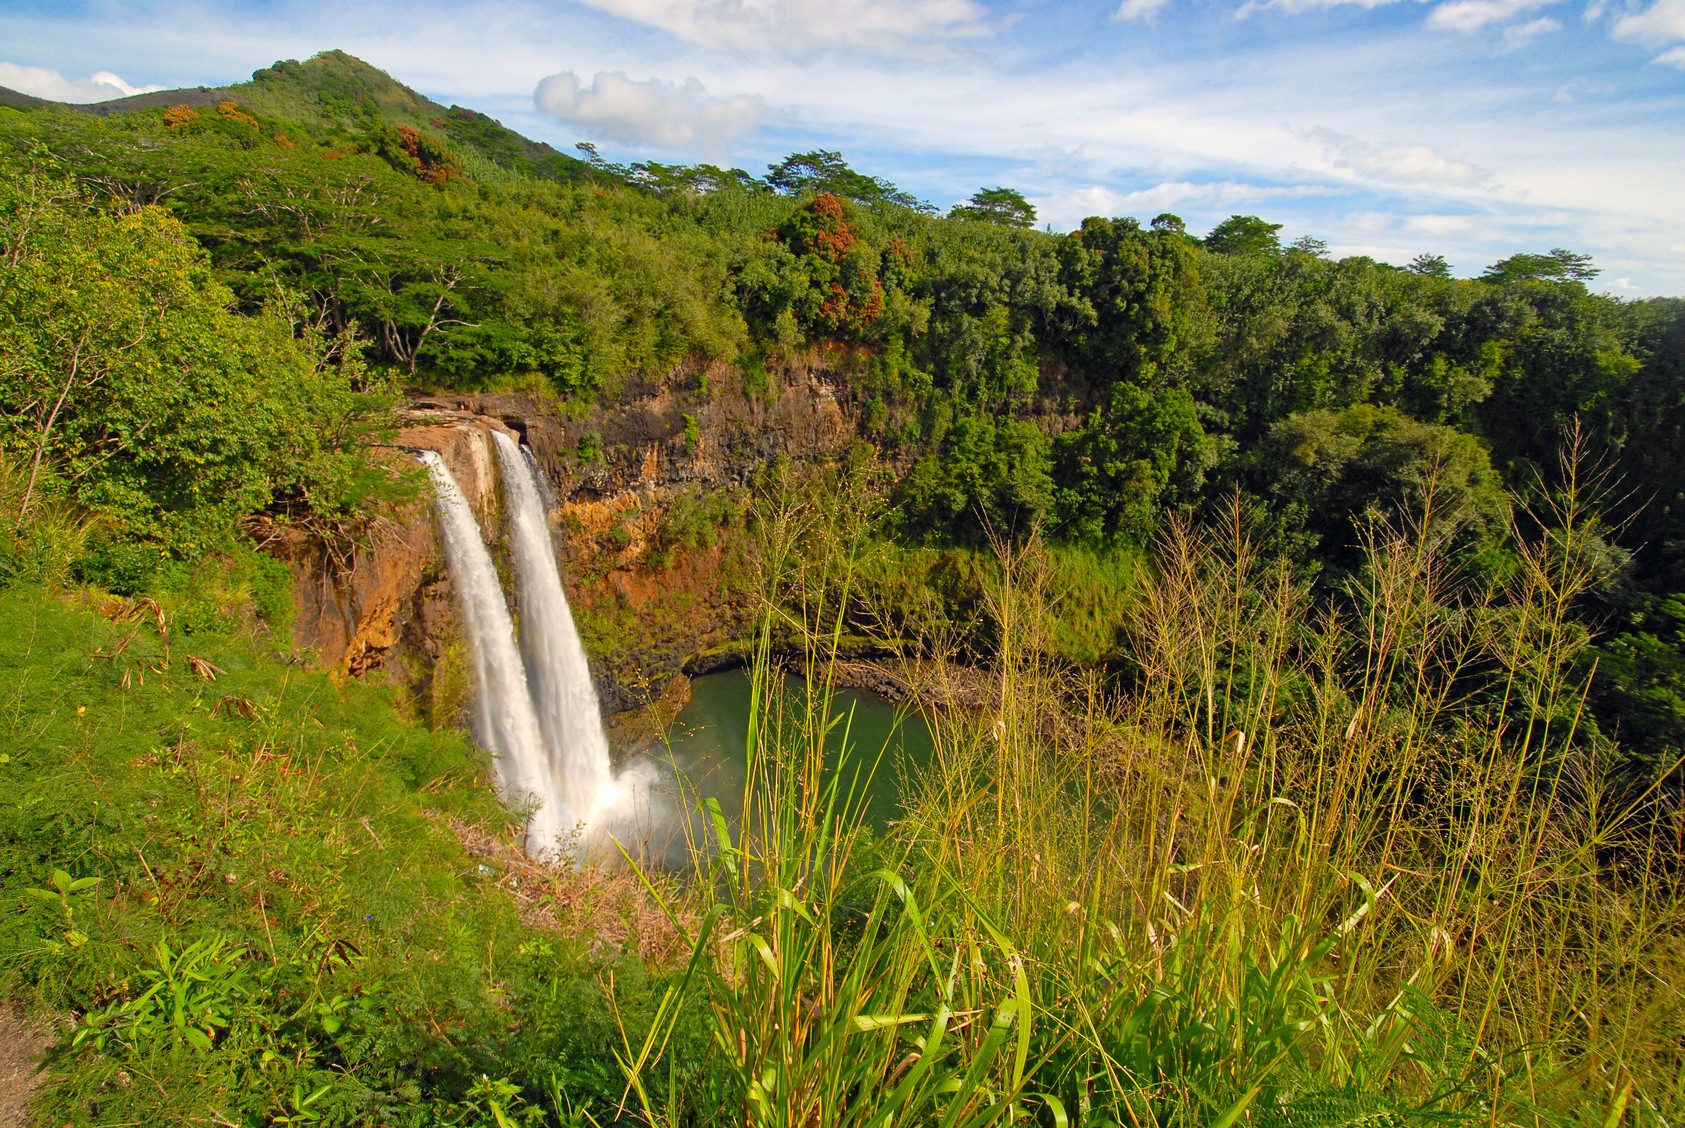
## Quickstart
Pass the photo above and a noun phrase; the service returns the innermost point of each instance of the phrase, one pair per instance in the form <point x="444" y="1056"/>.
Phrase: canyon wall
<point x="623" y="471"/>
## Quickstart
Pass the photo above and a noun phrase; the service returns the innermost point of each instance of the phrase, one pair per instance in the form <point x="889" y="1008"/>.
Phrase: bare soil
<point x="22" y="1046"/>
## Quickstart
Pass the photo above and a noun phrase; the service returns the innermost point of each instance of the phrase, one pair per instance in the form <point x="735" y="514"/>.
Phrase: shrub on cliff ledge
<point x="130" y="389"/>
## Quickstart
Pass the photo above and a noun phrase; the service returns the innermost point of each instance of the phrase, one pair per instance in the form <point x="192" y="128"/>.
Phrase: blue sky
<point x="1469" y="128"/>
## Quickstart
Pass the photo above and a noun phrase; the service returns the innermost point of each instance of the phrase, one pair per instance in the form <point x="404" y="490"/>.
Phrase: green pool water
<point x="706" y="749"/>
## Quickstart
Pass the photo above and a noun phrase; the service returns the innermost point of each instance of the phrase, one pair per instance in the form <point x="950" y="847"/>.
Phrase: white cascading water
<point x="563" y="694"/>
<point x="507" y="722"/>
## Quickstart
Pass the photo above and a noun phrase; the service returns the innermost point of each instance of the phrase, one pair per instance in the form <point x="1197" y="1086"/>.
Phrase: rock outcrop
<point x="649" y="605"/>
<point x="383" y="603"/>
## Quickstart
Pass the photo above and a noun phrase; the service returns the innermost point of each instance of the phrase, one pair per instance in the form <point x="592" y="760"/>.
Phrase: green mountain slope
<point x="332" y="90"/>
<point x="18" y="100"/>
<point x="336" y="89"/>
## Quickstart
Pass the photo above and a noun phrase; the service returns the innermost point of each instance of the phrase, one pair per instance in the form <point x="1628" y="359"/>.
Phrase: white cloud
<point x="1517" y="36"/>
<point x="1295" y="7"/>
<point x="1410" y="164"/>
<point x="1218" y="194"/>
<point x="803" y="26"/>
<point x="1146" y="10"/>
<point x="1434" y="225"/>
<point x="1473" y="15"/>
<point x="1662" y="22"/>
<point x="650" y="111"/>
<point x="1452" y="15"/>
<point x="101" y="86"/>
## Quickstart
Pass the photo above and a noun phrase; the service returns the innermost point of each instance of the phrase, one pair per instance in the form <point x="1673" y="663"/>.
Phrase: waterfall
<point x="560" y="680"/>
<point x="507" y="722"/>
<point x="545" y="493"/>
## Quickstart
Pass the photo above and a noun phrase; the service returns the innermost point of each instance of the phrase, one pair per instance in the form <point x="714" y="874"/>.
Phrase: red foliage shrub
<point x="232" y="112"/>
<point x="431" y="161"/>
<point x="820" y="229"/>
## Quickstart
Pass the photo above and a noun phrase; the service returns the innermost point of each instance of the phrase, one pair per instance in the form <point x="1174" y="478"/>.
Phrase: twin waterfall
<point x="537" y="709"/>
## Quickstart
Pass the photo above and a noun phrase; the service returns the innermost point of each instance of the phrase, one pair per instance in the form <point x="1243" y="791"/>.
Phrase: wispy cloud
<point x="1517" y="36"/>
<point x="667" y="115"/>
<point x="763" y="27"/>
<point x="1409" y="164"/>
<point x="101" y="86"/>
<point x="1144" y="10"/>
<point x="1662" y="24"/>
<point x="1296" y="7"/>
<point x="1474" y="15"/>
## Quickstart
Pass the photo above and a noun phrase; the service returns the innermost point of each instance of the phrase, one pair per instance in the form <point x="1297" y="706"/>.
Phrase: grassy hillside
<point x="260" y="893"/>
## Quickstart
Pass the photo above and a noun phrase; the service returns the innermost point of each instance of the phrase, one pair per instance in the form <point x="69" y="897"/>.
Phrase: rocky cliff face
<point x="385" y="605"/>
<point x="651" y="599"/>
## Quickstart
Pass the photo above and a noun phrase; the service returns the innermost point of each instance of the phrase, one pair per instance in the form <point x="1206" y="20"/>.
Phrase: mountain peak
<point x="334" y="85"/>
<point x="337" y="91"/>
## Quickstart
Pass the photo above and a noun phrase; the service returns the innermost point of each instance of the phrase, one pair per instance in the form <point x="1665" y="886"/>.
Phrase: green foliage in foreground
<point x="1351" y="868"/>
<point x="247" y="894"/>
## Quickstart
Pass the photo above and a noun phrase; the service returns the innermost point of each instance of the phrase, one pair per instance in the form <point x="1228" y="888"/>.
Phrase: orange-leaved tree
<point x="844" y="295"/>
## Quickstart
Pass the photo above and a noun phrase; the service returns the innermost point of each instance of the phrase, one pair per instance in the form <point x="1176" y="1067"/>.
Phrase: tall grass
<point x="1323" y="861"/>
<point x="42" y="534"/>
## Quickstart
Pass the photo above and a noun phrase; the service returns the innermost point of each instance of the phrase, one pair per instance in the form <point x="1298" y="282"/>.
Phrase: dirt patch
<point x="605" y="908"/>
<point x="22" y="1046"/>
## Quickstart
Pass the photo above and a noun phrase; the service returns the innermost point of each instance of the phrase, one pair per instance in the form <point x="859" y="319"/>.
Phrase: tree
<point x="1169" y="221"/>
<point x="1004" y="206"/>
<point x="1561" y="367"/>
<point x="837" y="290"/>
<point x="1311" y="245"/>
<point x="1638" y="693"/>
<point x="1244" y="235"/>
<point x="1118" y="470"/>
<point x="1134" y="297"/>
<point x="128" y="385"/>
<point x="1326" y="471"/>
<point x="695" y="180"/>
<point x="1432" y="266"/>
<point x="824" y="170"/>
<point x="986" y="474"/>
<point x="1560" y="265"/>
<point x="413" y="152"/>
<point x="1651" y="459"/>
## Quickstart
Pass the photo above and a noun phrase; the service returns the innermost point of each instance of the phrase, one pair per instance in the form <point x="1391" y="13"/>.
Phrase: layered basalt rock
<point x="380" y="601"/>
<point x="647" y="611"/>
